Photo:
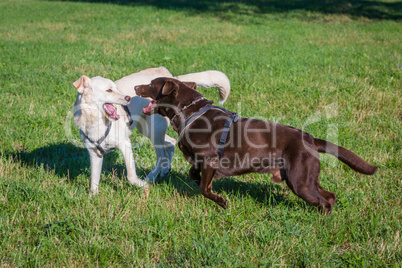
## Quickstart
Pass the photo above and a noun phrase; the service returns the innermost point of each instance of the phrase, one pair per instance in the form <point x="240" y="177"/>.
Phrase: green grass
<point x="330" y="68"/>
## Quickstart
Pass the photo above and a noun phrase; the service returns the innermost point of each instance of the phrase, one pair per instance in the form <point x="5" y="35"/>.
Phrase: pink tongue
<point x="148" y="109"/>
<point x="112" y="111"/>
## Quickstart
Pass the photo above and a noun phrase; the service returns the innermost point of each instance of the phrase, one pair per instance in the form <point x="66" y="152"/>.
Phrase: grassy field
<point x="331" y="68"/>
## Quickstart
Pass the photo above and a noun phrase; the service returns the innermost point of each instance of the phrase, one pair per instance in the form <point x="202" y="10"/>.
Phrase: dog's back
<point x="126" y="84"/>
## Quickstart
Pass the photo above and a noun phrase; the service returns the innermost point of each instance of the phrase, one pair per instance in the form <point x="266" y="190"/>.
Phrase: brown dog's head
<point x="165" y="93"/>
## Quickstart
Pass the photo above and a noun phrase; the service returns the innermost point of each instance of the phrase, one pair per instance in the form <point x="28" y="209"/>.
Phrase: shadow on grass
<point x="64" y="159"/>
<point x="382" y="10"/>
<point x="265" y="192"/>
<point x="70" y="161"/>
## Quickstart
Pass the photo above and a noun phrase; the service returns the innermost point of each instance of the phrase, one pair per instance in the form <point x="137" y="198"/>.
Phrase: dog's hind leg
<point x="329" y="196"/>
<point x="168" y="151"/>
<point x="156" y="127"/>
<point x="195" y="175"/>
<point x="164" y="149"/>
<point x="302" y="179"/>
<point x="96" y="168"/>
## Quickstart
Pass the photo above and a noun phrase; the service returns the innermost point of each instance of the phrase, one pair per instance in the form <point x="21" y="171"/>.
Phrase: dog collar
<point x="130" y="120"/>
<point x="185" y="108"/>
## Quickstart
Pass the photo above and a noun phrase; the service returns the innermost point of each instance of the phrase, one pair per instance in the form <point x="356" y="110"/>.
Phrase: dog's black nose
<point x="127" y="98"/>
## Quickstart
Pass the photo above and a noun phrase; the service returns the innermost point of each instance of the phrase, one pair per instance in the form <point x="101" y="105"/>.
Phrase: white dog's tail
<point x="209" y="79"/>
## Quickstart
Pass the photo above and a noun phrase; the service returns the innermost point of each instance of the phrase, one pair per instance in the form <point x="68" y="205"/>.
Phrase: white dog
<point x="106" y="114"/>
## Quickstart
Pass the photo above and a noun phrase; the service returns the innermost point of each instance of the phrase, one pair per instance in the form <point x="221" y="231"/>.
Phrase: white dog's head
<point x="101" y="92"/>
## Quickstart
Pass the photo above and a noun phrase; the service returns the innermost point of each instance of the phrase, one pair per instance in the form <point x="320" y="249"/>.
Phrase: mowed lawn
<point x="331" y="68"/>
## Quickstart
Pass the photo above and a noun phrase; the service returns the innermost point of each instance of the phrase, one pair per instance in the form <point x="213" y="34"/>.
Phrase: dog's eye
<point x="109" y="90"/>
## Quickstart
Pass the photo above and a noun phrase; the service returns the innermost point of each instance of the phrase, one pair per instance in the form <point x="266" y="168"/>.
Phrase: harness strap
<point x="232" y="118"/>
<point x="130" y="120"/>
<point x="100" y="140"/>
<point x="191" y="119"/>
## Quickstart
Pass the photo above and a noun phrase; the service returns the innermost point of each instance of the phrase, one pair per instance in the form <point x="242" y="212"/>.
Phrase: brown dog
<point x="251" y="145"/>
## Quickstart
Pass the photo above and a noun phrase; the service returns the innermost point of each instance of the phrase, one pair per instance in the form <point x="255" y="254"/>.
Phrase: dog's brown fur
<point x="293" y="153"/>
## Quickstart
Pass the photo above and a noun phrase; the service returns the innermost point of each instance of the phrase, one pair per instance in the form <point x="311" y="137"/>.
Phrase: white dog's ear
<point x="82" y="83"/>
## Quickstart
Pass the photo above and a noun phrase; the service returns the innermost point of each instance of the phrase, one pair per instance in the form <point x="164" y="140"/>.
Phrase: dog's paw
<point x="146" y="185"/>
<point x="164" y="173"/>
<point x="94" y="192"/>
<point x="224" y="204"/>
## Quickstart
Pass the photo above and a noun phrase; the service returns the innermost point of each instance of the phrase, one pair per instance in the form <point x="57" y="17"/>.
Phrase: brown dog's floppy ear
<point x="192" y="85"/>
<point x="168" y="87"/>
<point x="82" y="83"/>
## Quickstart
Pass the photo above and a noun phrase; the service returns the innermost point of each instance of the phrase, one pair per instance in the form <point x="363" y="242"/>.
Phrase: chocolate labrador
<point x="220" y="144"/>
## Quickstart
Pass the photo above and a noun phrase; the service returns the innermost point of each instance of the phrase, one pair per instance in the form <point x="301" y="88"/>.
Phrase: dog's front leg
<point x="195" y="174"/>
<point x="130" y="166"/>
<point x="96" y="168"/>
<point x="207" y="175"/>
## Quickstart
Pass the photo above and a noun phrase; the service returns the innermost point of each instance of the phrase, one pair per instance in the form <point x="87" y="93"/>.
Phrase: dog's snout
<point x="127" y="98"/>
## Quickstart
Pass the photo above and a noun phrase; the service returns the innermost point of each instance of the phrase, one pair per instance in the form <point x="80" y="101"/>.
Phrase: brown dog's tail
<point x="348" y="157"/>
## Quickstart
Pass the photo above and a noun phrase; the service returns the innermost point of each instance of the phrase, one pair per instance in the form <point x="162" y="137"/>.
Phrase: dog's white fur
<point x="92" y="120"/>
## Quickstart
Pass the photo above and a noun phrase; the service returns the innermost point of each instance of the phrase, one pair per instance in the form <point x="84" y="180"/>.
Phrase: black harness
<point x="191" y="119"/>
<point x="101" y="139"/>
<point x="233" y="117"/>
